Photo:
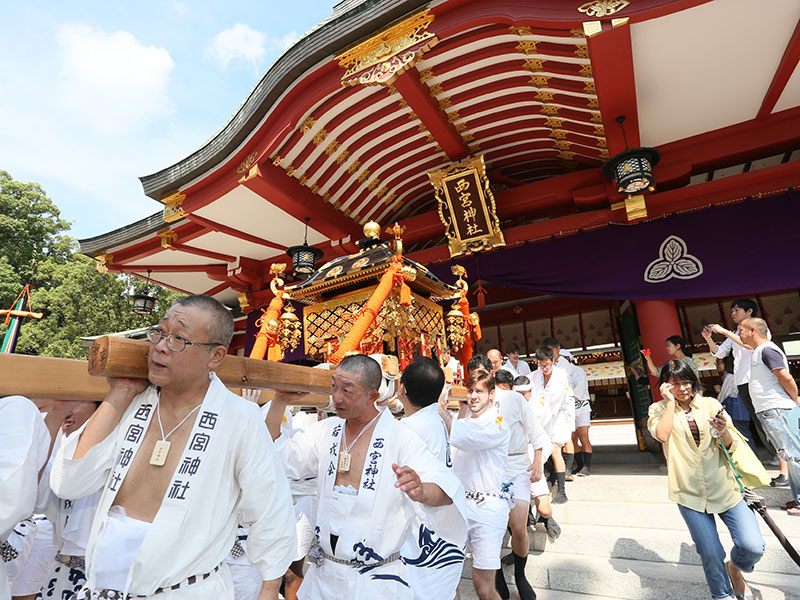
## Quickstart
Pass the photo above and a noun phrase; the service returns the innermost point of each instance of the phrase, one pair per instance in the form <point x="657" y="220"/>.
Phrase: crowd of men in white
<point x="379" y="507"/>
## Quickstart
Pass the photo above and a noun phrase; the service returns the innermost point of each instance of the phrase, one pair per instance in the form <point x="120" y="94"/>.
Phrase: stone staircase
<point x="622" y="538"/>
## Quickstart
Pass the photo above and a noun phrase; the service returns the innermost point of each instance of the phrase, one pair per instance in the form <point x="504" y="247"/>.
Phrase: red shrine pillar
<point x="658" y="319"/>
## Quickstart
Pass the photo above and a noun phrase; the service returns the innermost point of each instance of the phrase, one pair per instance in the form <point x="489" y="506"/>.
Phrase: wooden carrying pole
<point x="64" y="379"/>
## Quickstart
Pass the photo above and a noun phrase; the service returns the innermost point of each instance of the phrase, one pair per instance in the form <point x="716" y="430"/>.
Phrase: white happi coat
<point x="553" y="404"/>
<point x="71" y="518"/>
<point x="229" y="473"/>
<point x="24" y="444"/>
<point x="381" y="517"/>
<point x="578" y="381"/>
<point x="434" y="565"/>
<point x="524" y="428"/>
<point x="479" y="459"/>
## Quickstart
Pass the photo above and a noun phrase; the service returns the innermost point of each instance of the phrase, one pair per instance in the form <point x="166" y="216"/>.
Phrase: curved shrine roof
<point x="534" y="86"/>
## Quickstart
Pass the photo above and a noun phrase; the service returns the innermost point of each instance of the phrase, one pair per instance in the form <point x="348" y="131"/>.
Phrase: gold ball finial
<point x="372" y="230"/>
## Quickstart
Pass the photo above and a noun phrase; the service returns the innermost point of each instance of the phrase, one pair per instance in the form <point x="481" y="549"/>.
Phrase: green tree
<point x="76" y="300"/>
<point x="31" y="228"/>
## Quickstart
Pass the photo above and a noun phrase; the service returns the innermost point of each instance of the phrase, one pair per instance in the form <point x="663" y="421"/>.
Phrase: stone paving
<point x="622" y="537"/>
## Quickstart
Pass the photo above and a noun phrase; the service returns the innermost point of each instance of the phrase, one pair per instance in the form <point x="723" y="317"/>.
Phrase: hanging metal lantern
<point x="632" y="168"/>
<point x="143" y="304"/>
<point x="304" y="257"/>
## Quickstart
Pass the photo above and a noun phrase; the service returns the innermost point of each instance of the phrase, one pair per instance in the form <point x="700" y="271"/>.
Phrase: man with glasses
<point x="180" y="462"/>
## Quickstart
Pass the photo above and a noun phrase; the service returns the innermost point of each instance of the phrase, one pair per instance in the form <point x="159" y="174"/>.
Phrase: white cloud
<point x="88" y="121"/>
<point x="180" y="7"/>
<point x="239" y="42"/>
<point x="110" y="80"/>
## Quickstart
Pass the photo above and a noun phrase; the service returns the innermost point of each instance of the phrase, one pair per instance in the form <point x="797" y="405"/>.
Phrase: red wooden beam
<point x="217" y="289"/>
<point x="150" y="246"/>
<point x="276" y="187"/>
<point x="427" y="109"/>
<point x="216" y="269"/>
<point x="787" y="66"/>
<point x="214" y="226"/>
<point x="612" y="68"/>
<point x="178" y="247"/>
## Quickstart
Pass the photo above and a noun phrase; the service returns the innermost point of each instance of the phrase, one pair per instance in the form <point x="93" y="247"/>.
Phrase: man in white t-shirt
<point x="521" y="471"/>
<point x="481" y="454"/>
<point x="774" y="394"/>
<point x="741" y="309"/>
<point x="513" y="364"/>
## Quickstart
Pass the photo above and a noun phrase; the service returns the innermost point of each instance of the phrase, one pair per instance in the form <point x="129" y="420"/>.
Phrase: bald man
<point x="180" y="461"/>
<point x="373" y="473"/>
<point x="496" y="358"/>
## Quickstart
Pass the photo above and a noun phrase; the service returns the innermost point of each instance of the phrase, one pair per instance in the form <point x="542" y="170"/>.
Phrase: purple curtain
<point x="744" y="248"/>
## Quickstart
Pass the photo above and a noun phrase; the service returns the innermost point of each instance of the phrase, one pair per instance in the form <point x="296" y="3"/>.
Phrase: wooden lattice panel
<point x="332" y="319"/>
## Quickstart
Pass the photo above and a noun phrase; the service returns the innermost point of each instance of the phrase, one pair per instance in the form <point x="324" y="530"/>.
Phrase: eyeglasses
<point x="174" y="342"/>
<point x="681" y="384"/>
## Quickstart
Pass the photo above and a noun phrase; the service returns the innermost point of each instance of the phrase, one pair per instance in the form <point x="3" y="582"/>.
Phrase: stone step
<point x="466" y="591"/>
<point x="633" y="543"/>
<point x="626" y="579"/>
<point x="644" y="481"/>
<point x="649" y="515"/>
<point x="624" y="455"/>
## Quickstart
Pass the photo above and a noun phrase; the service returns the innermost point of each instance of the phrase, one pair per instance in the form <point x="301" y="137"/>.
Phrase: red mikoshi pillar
<point x="658" y="319"/>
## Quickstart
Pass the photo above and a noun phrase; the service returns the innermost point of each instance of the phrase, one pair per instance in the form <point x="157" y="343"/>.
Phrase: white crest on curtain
<point x="673" y="260"/>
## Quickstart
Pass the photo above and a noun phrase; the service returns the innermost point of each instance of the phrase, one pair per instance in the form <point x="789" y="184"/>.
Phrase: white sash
<point x="192" y="472"/>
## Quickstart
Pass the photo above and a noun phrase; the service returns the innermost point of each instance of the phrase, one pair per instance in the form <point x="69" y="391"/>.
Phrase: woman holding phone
<point x="676" y="347"/>
<point x="701" y="481"/>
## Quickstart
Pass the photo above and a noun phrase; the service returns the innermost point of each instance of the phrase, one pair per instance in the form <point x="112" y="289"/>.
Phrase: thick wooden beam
<point x="612" y="68"/>
<point x="427" y="109"/>
<point x="54" y="378"/>
<point x="276" y="187"/>
<point x="787" y="66"/>
<point x="70" y="380"/>
<point x="79" y="380"/>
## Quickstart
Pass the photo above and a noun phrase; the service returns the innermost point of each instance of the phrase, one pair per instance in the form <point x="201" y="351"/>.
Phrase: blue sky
<point x="94" y="94"/>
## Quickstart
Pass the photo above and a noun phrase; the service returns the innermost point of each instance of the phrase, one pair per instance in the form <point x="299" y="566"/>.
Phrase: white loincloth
<point x="117" y="547"/>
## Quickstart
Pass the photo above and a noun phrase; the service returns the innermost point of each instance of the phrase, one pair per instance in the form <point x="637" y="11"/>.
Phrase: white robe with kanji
<point x="24" y="444"/>
<point x="381" y="515"/>
<point x="229" y="473"/>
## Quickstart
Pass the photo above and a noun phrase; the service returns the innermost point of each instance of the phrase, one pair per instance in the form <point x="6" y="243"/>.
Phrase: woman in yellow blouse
<point x="701" y="480"/>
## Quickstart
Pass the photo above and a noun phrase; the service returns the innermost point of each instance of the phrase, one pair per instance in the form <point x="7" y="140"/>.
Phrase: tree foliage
<point x="31" y="227"/>
<point x="76" y="300"/>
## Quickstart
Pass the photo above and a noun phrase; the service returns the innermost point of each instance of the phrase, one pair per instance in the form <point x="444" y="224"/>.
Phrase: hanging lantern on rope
<point x="144" y="303"/>
<point x="304" y="257"/>
<point x="632" y="170"/>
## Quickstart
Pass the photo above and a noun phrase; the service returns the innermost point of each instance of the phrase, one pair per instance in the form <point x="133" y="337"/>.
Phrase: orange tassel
<point x="267" y="341"/>
<point x="405" y="294"/>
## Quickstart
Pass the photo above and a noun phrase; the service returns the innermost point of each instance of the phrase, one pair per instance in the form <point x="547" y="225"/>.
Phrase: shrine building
<point x="609" y="173"/>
